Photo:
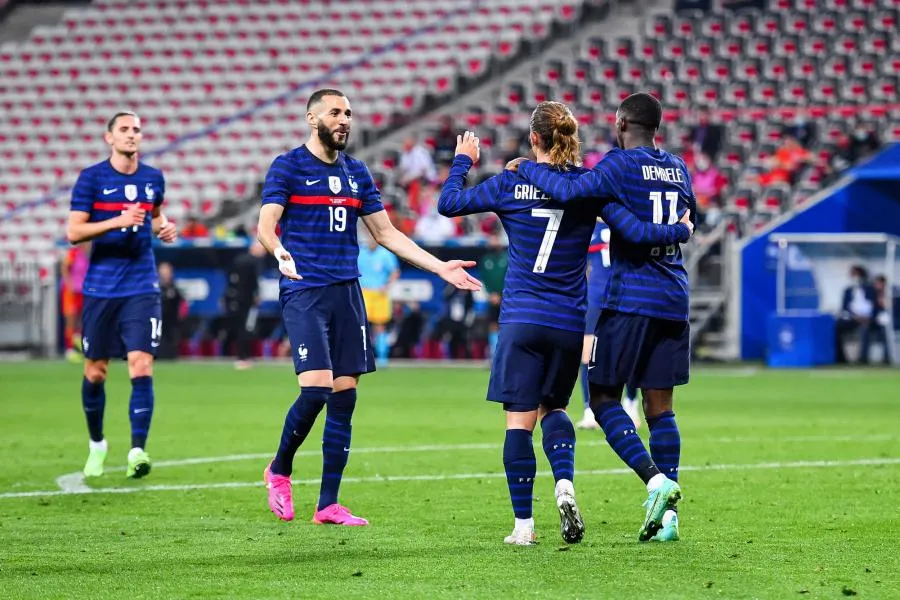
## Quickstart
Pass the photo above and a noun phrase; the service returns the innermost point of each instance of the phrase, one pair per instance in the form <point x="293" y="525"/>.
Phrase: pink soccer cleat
<point x="335" y="514"/>
<point x="280" y="500"/>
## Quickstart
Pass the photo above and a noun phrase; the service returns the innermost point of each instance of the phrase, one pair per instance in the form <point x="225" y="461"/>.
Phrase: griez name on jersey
<point x="670" y="175"/>
<point x="529" y="192"/>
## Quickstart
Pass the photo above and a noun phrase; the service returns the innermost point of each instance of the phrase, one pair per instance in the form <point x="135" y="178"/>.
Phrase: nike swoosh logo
<point x="138" y="411"/>
<point x="346" y="449"/>
<point x="106" y="192"/>
<point x="313" y="182"/>
<point x="154" y="344"/>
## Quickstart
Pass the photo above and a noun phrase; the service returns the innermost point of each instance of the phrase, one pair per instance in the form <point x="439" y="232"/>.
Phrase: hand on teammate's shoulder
<point x="513" y="165"/>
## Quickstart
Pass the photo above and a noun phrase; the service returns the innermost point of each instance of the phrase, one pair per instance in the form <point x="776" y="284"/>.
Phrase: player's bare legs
<point x="665" y="448"/>
<point x="140" y="411"/>
<point x="335" y="452"/>
<point x="587" y="421"/>
<point x="93" y="401"/>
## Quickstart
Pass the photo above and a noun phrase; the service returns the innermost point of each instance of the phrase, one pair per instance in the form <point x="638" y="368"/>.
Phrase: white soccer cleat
<point x="631" y="408"/>
<point x="588" y="421"/>
<point x="571" y="525"/>
<point x="522" y="535"/>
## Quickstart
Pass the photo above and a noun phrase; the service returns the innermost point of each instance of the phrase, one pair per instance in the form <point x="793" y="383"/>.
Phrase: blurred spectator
<point x="706" y="137"/>
<point x="455" y="322"/>
<point x="863" y="142"/>
<point x="74" y="268"/>
<point x="241" y="300"/>
<point x="416" y="169"/>
<point x="802" y="130"/>
<point x="174" y="310"/>
<point x="786" y="162"/>
<point x="492" y="270"/>
<point x="378" y="269"/>
<point x="857" y="314"/>
<point x="511" y="150"/>
<point x="598" y="149"/>
<point x="882" y="319"/>
<point x="708" y="184"/>
<point x="445" y="141"/>
<point x="193" y="228"/>
<point x="432" y="229"/>
<point x="409" y="330"/>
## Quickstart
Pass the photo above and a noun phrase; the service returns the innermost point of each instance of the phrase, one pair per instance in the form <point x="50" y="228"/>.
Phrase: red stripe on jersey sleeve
<point x="597" y="248"/>
<point x="148" y="206"/>
<point x="327" y="200"/>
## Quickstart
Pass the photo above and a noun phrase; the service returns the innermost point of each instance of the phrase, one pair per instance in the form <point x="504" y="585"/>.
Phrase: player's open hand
<point x="168" y="233"/>
<point x="454" y="273"/>
<point x="686" y="219"/>
<point x="467" y="144"/>
<point x="513" y="165"/>
<point x="286" y="264"/>
<point x="131" y="216"/>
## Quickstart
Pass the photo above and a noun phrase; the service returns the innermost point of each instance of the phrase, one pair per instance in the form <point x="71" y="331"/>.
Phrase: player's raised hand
<point x="467" y="144"/>
<point x="686" y="219"/>
<point x="454" y="273"/>
<point x="286" y="264"/>
<point x="132" y="216"/>
<point x="513" y="165"/>
<point x="168" y="233"/>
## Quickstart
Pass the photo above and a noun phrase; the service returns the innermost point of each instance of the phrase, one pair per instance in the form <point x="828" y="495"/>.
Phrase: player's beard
<point x="326" y="136"/>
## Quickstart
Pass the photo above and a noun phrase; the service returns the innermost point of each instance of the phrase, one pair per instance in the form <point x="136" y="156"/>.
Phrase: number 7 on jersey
<point x="554" y="216"/>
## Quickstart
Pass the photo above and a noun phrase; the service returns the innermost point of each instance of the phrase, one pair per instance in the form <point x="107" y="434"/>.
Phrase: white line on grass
<point x="73" y="483"/>
<point x="804" y="464"/>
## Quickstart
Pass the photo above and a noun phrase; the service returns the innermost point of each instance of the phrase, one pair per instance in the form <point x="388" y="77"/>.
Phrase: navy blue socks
<point x="624" y="440"/>
<point x="93" y="401"/>
<point x="297" y="424"/>
<point x="140" y="410"/>
<point x="665" y="443"/>
<point x="521" y="467"/>
<point x="336" y="444"/>
<point x="559" y="444"/>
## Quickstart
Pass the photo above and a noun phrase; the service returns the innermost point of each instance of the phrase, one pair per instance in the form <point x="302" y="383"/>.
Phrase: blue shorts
<point x="328" y="329"/>
<point x="647" y="352"/>
<point x="534" y="365"/>
<point x="113" y="327"/>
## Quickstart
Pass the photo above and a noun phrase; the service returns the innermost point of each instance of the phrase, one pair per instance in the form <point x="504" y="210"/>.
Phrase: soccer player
<point x="74" y="269"/>
<point x="598" y="275"/>
<point x="543" y="308"/>
<point x="642" y="333"/>
<point x="378" y="269"/>
<point x="122" y="315"/>
<point x="316" y="193"/>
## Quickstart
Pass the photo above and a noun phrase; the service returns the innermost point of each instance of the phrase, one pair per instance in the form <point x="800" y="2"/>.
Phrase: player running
<point x="122" y="315"/>
<point x="543" y="308"/>
<point x="598" y="275"/>
<point x="642" y="334"/>
<point x="316" y="193"/>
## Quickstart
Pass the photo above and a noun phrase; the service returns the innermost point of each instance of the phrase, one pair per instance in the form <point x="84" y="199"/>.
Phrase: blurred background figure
<point x="174" y="310"/>
<point x="378" y="269"/>
<point x="857" y="314"/>
<point x="416" y="170"/>
<point x="455" y="322"/>
<point x="492" y="270"/>
<point x="193" y="228"/>
<point x="241" y="299"/>
<point x="74" y="268"/>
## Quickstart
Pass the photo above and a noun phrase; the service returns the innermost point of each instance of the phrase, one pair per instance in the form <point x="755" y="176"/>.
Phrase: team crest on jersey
<point x="334" y="184"/>
<point x="353" y="185"/>
<point x="148" y="192"/>
<point x="131" y="192"/>
<point x="302" y="352"/>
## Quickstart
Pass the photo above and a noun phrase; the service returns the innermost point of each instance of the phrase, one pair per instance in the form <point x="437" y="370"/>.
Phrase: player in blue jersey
<point x="543" y="308"/>
<point x="317" y="193"/>
<point x="642" y="333"/>
<point x="122" y="317"/>
<point x="598" y="275"/>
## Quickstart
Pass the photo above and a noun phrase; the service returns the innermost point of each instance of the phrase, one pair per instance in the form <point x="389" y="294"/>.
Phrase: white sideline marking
<point x="74" y="483"/>
<point x="805" y="464"/>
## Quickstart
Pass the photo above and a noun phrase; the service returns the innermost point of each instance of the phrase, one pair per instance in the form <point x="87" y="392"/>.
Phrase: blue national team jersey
<point x="545" y="282"/>
<point x="321" y="205"/>
<point x="647" y="278"/>
<point x="598" y="259"/>
<point x="122" y="262"/>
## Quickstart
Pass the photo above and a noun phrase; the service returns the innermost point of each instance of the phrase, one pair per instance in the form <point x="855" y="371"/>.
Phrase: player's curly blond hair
<point x="557" y="130"/>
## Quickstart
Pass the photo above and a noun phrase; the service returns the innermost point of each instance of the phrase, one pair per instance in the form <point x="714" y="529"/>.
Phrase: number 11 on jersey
<point x="672" y="200"/>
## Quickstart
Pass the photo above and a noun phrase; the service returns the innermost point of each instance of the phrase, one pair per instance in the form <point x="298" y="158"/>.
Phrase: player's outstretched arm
<point x="269" y="215"/>
<point x="455" y="201"/>
<point x="79" y="229"/>
<point x="592" y="184"/>
<point x="627" y="226"/>
<point x="451" y="271"/>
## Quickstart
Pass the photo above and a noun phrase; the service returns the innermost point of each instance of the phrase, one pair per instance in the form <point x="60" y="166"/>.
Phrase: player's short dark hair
<point x="319" y="94"/>
<point x="643" y="110"/>
<point x="125" y="113"/>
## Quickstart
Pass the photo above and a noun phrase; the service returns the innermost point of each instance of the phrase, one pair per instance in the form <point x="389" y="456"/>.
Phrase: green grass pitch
<point x="791" y="482"/>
